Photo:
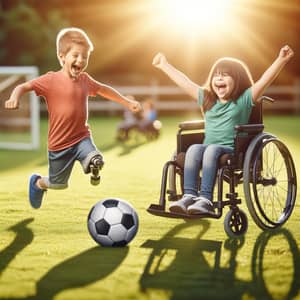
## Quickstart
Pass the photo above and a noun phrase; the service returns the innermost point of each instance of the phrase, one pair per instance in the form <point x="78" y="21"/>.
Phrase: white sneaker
<point x="201" y="206"/>
<point x="180" y="206"/>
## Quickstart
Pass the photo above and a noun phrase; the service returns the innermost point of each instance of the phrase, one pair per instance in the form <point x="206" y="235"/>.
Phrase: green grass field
<point x="48" y="253"/>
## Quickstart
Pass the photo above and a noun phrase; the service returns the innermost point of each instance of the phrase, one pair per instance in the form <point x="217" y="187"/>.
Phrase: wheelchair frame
<point x="248" y="165"/>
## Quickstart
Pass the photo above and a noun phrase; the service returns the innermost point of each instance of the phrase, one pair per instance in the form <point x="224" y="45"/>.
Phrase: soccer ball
<point x="113" y="222"/>
<point x="157" y="124"/>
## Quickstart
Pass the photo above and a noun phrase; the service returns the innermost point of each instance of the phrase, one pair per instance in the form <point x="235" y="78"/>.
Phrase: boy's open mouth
<point x="75" y="70"/>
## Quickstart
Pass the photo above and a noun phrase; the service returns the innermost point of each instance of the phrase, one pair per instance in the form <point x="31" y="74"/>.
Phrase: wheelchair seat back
<point x="245" y="134"/>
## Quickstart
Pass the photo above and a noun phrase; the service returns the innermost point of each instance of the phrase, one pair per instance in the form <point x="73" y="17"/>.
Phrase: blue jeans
<point x="61" y="162"/>
<point x="205" y="156"/>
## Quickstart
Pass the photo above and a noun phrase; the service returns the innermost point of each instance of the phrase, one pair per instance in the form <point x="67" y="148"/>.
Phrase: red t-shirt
<point x="67" y="102"/>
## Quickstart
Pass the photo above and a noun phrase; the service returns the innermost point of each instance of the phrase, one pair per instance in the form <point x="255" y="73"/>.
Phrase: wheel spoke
<point x="272" y="188"/>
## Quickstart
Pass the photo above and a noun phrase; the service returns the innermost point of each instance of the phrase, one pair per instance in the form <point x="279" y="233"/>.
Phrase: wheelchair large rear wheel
<point x="270" y="183"/>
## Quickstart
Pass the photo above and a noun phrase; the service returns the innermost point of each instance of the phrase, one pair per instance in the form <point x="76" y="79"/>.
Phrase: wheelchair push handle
<point x="267" y="99"/>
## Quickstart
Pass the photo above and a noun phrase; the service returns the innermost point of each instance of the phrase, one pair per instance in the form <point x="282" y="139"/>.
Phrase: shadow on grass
<point x="23" y="238"/>
<point x="83" y="269"/>
<point x="260" y="267"/>
<point x="197" y="268"/>
<point x="78" y="271"/>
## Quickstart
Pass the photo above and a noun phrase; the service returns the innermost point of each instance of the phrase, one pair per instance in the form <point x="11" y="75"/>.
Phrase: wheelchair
<point x="261" y="163"/>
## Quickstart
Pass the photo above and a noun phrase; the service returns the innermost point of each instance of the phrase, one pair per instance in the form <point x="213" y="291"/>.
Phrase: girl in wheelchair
<point x="226" y="100"/>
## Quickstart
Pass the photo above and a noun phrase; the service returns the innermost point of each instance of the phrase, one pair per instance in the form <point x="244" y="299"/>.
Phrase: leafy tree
<point x="27" y="36"/>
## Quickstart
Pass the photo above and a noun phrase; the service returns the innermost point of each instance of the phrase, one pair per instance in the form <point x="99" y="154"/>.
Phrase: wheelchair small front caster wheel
<point x="235" y="223"/>
<point x="95" y="180"/>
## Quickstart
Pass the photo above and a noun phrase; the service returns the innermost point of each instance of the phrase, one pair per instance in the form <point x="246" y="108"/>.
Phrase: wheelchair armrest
<point x="192" y="125"/>
<point x="250" y="128"/>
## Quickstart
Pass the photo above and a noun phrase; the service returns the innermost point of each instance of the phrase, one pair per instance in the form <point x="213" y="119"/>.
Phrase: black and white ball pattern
<point x="113" y="222"/>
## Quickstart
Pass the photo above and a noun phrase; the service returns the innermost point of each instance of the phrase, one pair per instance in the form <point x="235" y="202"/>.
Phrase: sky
<point x="191" y="33"/>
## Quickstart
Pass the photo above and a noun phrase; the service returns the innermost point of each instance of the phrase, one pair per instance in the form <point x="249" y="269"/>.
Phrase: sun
<point x="200" y="28"/>
<point x="196" y="15"/>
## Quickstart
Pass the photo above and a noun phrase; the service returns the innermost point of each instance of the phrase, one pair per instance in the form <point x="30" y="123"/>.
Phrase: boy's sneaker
<point x="201" y="206"/>
<point x="181" y="205"/>
<point x="35" y="193"/>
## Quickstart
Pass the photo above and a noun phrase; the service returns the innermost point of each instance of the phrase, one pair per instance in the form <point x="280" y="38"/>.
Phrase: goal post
<point x="19" y="129"/>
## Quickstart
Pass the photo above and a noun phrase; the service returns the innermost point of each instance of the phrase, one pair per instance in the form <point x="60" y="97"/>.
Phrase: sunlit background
<point x="128" y="33"/>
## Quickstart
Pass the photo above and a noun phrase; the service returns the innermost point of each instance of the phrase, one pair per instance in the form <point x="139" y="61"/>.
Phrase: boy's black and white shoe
<point x="201" y="206"/>
<point x="180" y="206"/>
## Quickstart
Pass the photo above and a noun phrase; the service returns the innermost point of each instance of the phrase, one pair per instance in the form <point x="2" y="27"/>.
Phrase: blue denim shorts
<point x="61" y="162"/>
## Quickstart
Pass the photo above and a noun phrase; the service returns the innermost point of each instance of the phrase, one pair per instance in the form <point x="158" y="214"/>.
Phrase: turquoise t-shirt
<point x="222" y="117"/>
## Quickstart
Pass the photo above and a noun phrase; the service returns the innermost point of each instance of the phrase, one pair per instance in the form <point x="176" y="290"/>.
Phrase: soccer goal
<point x="19" y="129"/>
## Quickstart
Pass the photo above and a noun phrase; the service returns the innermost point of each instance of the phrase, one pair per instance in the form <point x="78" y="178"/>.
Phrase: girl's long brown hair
<point x="237" y="69"/>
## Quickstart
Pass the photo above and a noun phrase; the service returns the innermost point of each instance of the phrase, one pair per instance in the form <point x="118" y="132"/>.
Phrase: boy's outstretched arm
<point x="112" y="94"/>
<point x="259" y="87"/>
<point x="18" y="91"/>
<point x="191" y="88"/>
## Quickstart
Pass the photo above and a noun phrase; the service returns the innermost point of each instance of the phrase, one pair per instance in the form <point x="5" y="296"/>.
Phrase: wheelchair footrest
<point x="158" y="210"/>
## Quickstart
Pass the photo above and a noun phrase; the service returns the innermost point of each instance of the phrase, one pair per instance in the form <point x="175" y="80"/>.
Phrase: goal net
<point x="19" y="129"/>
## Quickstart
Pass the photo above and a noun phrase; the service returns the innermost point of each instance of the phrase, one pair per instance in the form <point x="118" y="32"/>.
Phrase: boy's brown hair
<point x="72" y="35"/>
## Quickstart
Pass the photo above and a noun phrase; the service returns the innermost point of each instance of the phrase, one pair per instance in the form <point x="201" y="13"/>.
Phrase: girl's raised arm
<point x="271" y="73"/>
<point x="190" y="87"/>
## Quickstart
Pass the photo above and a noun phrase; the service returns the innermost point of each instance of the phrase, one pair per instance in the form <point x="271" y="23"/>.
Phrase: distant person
<point x="66" y="94"/>
<point x="130" y="121"/>
<point x="226" y="99"/>
<point x="145" y="122"/>
<point x="149" y="115"/>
